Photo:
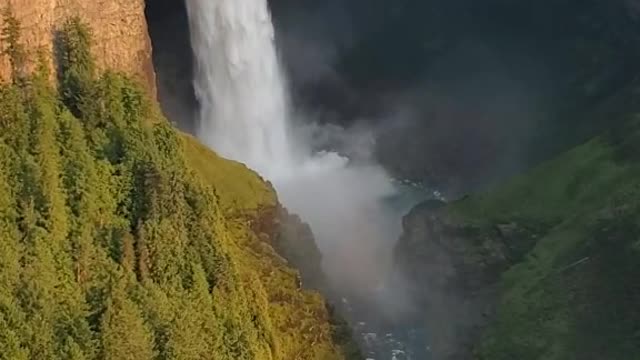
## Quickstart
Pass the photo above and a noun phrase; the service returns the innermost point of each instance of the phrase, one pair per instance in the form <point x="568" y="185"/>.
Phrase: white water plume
<point x="239" y="83"/>
<point x="245" y="116"/>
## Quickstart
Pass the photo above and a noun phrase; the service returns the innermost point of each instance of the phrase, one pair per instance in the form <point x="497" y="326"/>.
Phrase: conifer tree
<point x="11" y="347"/>
<point x="77" y="65"/>
<point x="38" y="295"/>
<point x="46" y="153"/>
<point x="124" y="334"/>
<point x="193" y="335"/>
<point x="9" y="233"/>
<point x="81" y="184"/>
<point x="14" y="48"/>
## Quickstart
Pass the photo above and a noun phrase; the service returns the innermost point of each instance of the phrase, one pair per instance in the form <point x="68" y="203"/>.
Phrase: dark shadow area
<point x="464" y="93"/>
<point x="173" y="60"/>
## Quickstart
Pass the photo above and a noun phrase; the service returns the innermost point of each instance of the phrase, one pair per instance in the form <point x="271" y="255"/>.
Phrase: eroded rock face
<point x="452" y="269"/>
<point x="121" y="39"/>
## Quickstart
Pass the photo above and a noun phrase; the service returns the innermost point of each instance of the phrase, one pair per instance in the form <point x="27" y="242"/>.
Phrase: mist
<point x="343" y="204"/>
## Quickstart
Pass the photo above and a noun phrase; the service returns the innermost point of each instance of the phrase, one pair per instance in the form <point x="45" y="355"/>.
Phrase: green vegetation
<point x="575" y="293"/>
<point x="124" y="239"/>
<point x="14" y="49"/>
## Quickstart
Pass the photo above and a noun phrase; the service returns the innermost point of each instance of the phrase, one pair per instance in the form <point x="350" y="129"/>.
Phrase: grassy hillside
<point x="573" y="289"/>
<point x="124" y="239"/>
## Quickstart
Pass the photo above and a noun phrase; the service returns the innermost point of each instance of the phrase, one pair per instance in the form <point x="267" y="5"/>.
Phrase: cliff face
<point x="121" y="39"/>
<point x="452" y="270"/>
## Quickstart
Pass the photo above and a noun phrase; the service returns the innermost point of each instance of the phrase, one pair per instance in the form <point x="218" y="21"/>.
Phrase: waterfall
<point x="240" y="85"/>
<point x="244" y="115"/>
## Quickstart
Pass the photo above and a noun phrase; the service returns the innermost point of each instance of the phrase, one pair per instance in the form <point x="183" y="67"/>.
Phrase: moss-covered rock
<point x="553" y="252"/>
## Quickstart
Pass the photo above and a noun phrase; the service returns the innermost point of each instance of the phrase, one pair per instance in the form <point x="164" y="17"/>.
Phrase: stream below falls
<point x="382" y="319"/>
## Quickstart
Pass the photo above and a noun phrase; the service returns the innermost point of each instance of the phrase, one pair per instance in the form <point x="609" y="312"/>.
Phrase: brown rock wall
<point x="120" y="34"/>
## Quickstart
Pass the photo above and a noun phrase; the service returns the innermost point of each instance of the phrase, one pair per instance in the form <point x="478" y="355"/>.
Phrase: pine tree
<point x="14" y="120"/>
<point x="9" y="233"/>
<point x="14" y="49"/>
<point x="46" y="153"/>
<point x="193" y="335"/>
<point x="77" y="66"/>
<point x="81" y="184"/>
<point x="37" y="295"/>
<point x="11" y="347"/>
<point x="124" y="334"/>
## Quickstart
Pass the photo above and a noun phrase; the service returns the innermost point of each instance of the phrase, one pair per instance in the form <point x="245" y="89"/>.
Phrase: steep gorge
<point x="519" y="246"/>
<point x="530" y="106"/>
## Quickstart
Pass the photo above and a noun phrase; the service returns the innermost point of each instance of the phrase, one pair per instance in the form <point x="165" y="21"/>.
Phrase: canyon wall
<point x="121" y="39"/>
<point x="540" y="267"/>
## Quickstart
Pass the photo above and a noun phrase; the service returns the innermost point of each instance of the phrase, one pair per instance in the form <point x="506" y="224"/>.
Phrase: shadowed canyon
<point x="336" y="179"/>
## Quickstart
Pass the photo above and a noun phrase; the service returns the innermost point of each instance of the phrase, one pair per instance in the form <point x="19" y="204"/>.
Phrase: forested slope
<point x="122" y="238"/>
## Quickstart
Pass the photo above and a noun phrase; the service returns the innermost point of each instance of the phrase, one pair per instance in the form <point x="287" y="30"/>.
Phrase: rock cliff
<point x="452" y="271"/>
<point x="121" y="39"/>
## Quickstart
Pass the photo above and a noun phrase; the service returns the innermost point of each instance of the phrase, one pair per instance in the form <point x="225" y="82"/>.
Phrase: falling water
<point x="244" y="116"/>
<point x="240" y="84"/>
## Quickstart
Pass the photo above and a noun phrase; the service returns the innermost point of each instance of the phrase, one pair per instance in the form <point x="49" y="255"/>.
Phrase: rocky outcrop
<point x="452" y="269"/>
<point x="121" y="39"/>
<point x="293" y="240"/>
